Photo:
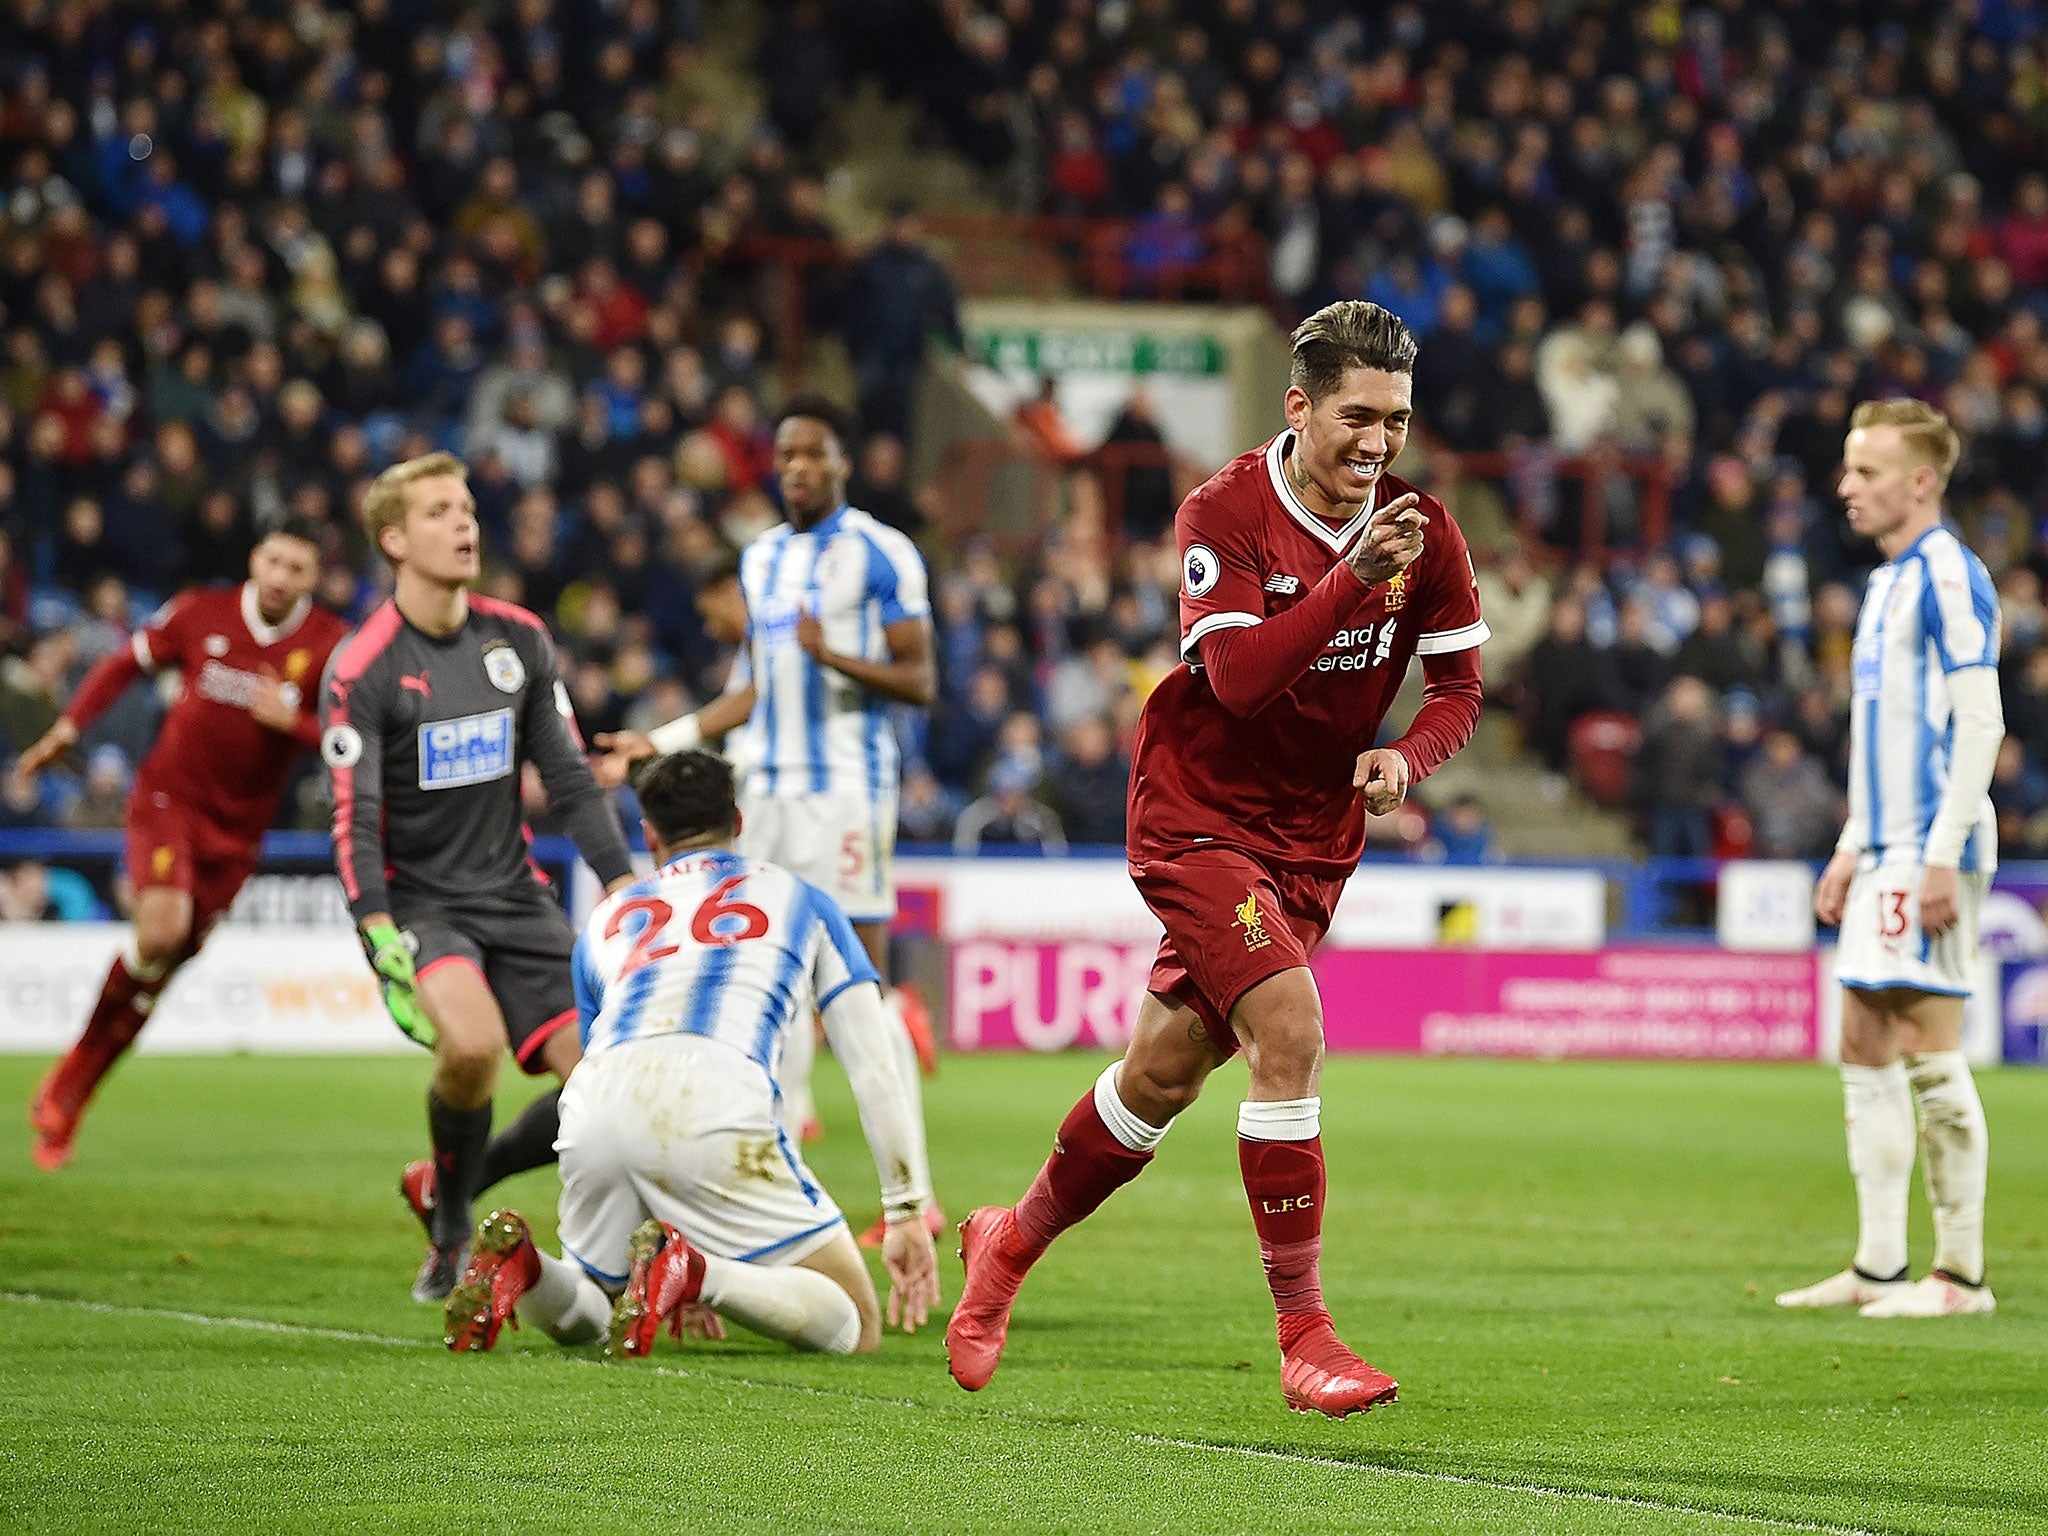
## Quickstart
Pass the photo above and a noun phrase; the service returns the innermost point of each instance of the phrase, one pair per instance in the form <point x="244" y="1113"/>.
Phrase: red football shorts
<point x="1230" y="923"/>
<point x="169" y="845"/>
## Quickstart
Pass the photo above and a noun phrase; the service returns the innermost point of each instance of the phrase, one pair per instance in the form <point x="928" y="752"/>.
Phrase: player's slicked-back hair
<point x="308" y="530"/>
<point x="815" y="407"/>
<point x="1352" y="333"/>
<point x="1928" y="434"/>
<point x="384" y="502"/>
<point x="688" y="795"/>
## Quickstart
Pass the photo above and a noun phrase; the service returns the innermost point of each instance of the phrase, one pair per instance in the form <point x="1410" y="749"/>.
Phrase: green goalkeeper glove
<point x="392" y="962"/>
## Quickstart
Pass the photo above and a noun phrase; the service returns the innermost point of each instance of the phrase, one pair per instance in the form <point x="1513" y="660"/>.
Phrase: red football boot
<point x="916" y="1019"/>
<point x="54" y="1113"/>
<point x="934" y="1223"/>
<point x="1319" y="1374"/>
<point x="666" y="1272"/>
<point x="416" y="1185"/>
<point x="996" y="1267"/>
<point x="503" y="1266"/>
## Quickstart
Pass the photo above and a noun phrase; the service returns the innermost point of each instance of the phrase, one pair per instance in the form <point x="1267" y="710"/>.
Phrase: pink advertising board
<point x="1693" y="1004"/>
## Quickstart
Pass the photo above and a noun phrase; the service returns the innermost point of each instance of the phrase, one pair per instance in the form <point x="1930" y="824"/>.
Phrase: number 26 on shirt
<point x="721" y="919"/>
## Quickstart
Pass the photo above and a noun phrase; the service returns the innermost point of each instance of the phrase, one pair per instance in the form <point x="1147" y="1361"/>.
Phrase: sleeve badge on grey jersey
<point x="341" y="746"/>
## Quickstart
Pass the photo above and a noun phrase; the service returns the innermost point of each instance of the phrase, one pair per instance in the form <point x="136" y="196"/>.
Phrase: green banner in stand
<point x="1090" y="351"/>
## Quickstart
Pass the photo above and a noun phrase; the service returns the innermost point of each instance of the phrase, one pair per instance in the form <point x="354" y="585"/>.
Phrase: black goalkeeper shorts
<point x="519" y="942"/>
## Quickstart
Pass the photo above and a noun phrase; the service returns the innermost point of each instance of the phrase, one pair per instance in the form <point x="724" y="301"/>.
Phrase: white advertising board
<point x="1765" y="904"/>
<point x="1385" y="906"/>
<point x="253" y="988"/>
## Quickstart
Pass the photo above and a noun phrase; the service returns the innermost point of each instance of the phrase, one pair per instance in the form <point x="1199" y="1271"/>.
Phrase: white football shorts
<point x="682" y="1129"/>
<point x="1882" y="945"/>
<point x="843" y="844"/>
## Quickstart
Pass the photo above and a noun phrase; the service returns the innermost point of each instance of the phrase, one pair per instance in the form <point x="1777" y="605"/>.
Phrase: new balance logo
<point x="1283" y="586"/>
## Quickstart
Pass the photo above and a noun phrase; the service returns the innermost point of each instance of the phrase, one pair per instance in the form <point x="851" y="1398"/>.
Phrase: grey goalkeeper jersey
<point x="424" y="739"/>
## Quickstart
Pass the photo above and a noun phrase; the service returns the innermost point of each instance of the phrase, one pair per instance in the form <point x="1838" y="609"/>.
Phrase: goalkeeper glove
<point x="392" y="962"/>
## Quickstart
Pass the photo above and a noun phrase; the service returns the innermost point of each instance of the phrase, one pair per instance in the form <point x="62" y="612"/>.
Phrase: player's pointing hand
<point x="1392" y="543"/>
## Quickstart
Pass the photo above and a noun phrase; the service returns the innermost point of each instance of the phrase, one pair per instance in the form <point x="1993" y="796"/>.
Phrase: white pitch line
<point x="1587" y="1495"/>
<point x="1292" y="1458"/>
<point x="208" y="1320"/>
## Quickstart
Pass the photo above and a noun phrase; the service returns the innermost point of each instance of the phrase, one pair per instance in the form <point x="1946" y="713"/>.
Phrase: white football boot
<point x="1939" y="1295"/>
<point x="1851" y="1288"/>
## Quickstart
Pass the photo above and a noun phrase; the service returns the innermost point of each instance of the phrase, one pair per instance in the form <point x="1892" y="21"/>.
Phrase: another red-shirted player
<point x="251" y="658"/>
<point x="1310" y="577"/>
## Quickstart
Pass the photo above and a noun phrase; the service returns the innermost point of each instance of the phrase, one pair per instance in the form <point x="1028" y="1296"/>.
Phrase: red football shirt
<point x="212" y="756"/>
<point x="1278" y="785"/>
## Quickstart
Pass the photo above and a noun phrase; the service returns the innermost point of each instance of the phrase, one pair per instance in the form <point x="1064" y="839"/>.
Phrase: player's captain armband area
<point x="471" y="749"/>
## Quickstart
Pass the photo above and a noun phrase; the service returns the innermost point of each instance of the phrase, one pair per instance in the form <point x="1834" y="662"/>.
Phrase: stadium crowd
<point x="248" y="255"/>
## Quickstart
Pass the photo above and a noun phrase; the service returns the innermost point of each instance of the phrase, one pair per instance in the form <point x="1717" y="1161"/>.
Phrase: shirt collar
<point x="270" y="634"/>
<point x="827" y="525"/>
<point x="1338" y="539"/>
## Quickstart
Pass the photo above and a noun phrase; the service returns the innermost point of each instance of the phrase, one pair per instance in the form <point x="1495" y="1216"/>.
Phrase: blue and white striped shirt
<point x="814" y="730"/>
<point x="1927" y="614"/>
<point x="714" y="944"/>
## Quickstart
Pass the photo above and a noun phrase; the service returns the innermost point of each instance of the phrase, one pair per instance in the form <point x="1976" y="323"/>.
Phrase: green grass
<point x="1569" y="1267"/>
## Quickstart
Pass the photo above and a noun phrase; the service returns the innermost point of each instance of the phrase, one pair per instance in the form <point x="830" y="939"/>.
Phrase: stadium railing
<point x="1009" y="256"/>
<point x="1533" y="481"/>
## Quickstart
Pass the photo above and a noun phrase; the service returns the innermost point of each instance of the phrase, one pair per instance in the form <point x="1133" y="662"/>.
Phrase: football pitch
<point x="205" y="1327"/>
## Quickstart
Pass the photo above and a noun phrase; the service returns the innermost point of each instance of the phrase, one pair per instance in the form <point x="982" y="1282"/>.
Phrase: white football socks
<point x="1126" y="1127"/>
<point x="791" y="1303"/>
<point x="1957" y="1144"/>
<point x="1284" y="1120"/>
<point x="1879" y="1109"/>
<point x="566" y="1304"/>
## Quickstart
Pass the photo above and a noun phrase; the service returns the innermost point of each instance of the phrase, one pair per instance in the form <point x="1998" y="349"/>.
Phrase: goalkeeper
<point x="431" y="710"/>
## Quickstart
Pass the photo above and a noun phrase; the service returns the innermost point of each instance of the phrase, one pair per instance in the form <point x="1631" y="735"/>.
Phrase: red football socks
<point x="1285" y="1183"/>
<point x="117" y="1018"/>
<point x="1087" y="1166"/>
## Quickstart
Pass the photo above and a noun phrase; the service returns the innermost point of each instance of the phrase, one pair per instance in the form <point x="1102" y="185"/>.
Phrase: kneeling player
<point x="680" y="1188"/>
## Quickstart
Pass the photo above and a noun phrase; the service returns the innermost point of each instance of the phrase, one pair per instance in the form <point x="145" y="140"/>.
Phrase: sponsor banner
<point x="1096" y="366"/>
<point x="1423" y="906"/>
<point x="1695" y="1004"/>
<point x="252" y="988"/>
<point x="1385" y="906"/>
<point x="1007" y="996"/>
<point x="2026" y="1011"/>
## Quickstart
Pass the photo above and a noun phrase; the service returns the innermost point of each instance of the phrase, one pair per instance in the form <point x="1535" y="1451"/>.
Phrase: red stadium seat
<point x="1734" y="836"/>
<point x="1600" y="746"/>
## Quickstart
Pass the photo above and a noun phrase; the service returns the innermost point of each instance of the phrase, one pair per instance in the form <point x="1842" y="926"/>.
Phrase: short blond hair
<point x="384" y="502"/>
<point x="1927" y="433"/>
